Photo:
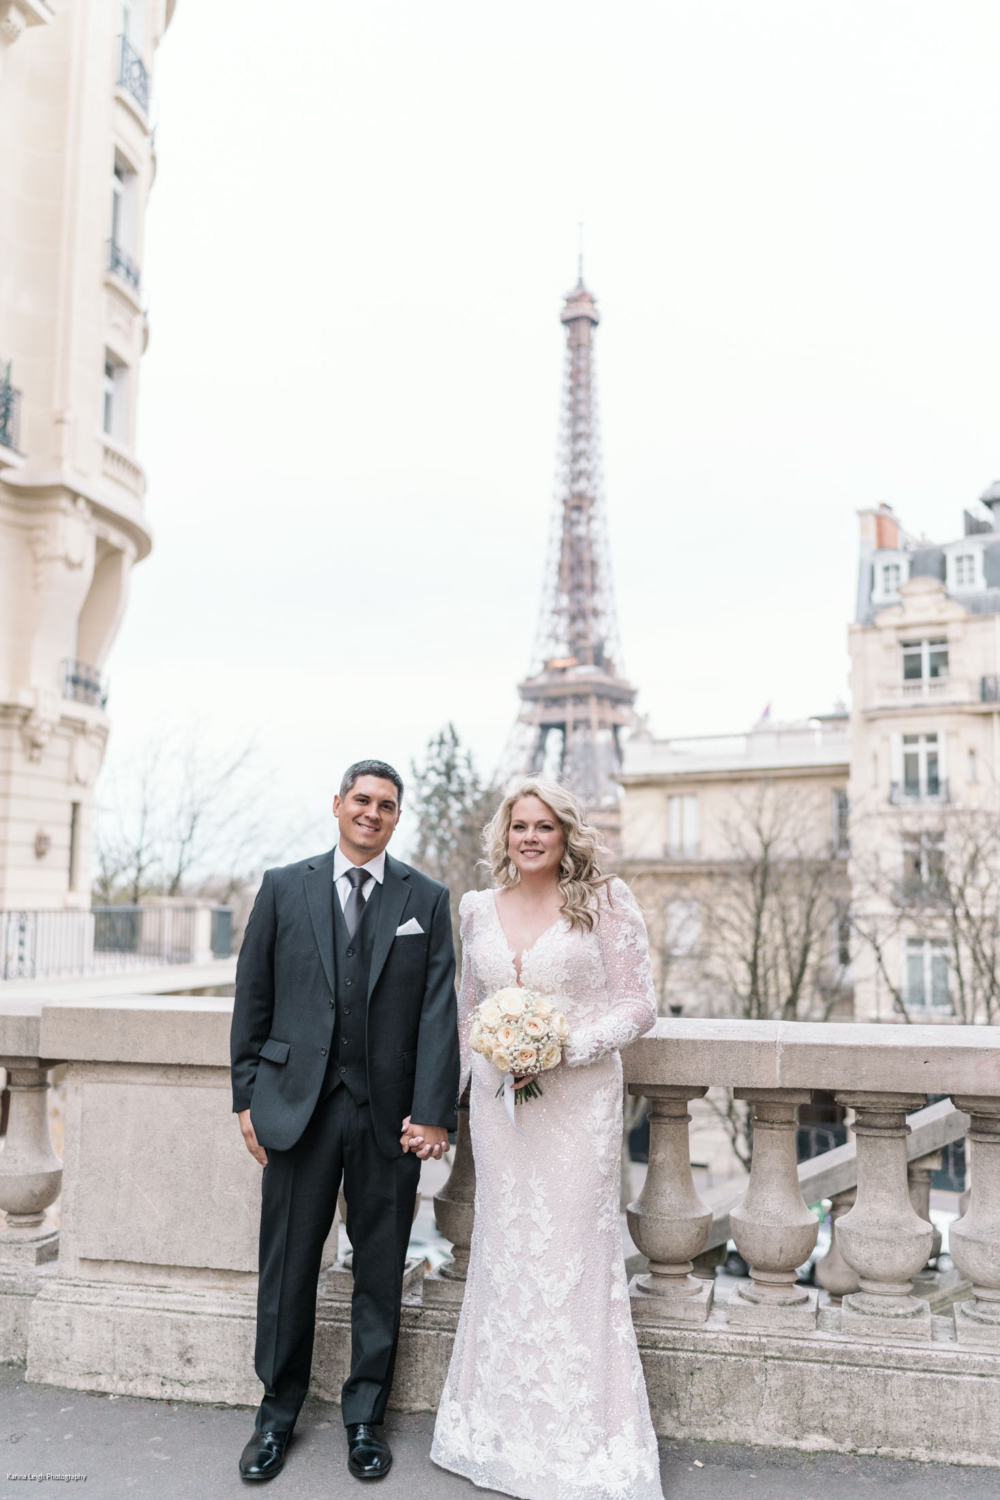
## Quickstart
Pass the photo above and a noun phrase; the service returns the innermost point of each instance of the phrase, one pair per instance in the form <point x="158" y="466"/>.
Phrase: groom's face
<point x="367" y="815"/>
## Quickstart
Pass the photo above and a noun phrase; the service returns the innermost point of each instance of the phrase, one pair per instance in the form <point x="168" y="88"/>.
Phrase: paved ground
<point x="156" y="1450"/>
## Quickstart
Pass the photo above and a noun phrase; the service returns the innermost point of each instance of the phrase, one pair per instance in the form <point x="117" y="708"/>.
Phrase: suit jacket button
<point x="347" y="1012"/>
<point x="322" y="1051"/>
<point x="331" y="1005"/>
<point x="350" y="952"/>
<point x="343" y="1070"/>
<point x="348" y="981"/>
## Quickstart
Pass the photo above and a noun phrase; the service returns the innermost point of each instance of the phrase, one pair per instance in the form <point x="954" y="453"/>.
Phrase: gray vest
<point x="348" y="1062"/>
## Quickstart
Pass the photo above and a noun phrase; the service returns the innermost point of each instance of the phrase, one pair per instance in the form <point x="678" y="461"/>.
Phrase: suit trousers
<point x="299" y="1196"/>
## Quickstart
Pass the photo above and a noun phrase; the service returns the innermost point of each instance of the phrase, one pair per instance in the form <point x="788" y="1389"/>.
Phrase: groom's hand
<point x="250" y="1136"/>
<point x="424" y="1140"/>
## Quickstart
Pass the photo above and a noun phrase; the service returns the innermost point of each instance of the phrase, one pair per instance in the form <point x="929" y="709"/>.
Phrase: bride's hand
<point x="521" y="1080"/>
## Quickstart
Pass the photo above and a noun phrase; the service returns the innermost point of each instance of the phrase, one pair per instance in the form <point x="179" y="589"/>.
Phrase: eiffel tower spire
<point x="576" y="700"/>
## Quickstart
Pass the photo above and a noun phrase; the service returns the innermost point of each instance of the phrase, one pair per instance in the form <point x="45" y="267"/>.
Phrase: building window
<point x="927" y="975"/>
<point x="122" y="245"/>
<point x="922" y="767"/>
<point x="682" y="826"/>
<point x="842" y="937"/>
<point x="841" y="808"/>
<point x="923" y="865"/>
<point x="115" y="385"/>
<point x="925" y="661"/>
<point x="964" y="571"/>
<point x="891" y="578"/>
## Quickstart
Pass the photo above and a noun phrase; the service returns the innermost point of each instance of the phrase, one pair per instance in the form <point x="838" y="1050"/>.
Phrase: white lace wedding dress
<point x="545" y="1397"/>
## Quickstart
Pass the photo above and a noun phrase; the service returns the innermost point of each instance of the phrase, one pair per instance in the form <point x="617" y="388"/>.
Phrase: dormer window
<point x="965" y="571"/>
<point x="890" y="573"/>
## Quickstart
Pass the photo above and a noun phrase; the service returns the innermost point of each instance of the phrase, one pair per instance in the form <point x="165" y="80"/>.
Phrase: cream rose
<point x="560" y="1026"/>
<point x="534" y="1026"/>
<point x="551" y="1053"/>
<point x="501" y="1060"/>
<point x="507" y="1036"/>
<point x="512" y="1005"/>
<point x="543" y="1008"/>
<point x="489" y="1013"/>
<point x="526" y="1059"/>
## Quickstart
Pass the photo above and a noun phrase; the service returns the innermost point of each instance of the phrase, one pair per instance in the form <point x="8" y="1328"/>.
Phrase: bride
<point x="545" y="1397"/>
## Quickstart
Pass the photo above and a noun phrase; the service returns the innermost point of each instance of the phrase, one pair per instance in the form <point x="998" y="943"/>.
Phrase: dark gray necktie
<point x="355" y="903"/>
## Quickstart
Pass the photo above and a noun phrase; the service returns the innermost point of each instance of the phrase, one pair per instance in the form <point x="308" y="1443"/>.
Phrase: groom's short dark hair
<point x="371" y="768"/>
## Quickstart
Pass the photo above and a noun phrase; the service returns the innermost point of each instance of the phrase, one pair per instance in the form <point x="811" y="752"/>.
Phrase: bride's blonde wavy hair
<point x="580" y="877"/>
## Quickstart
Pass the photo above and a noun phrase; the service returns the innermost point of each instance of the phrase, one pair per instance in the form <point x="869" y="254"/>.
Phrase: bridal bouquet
<point x="520" y="1033"/>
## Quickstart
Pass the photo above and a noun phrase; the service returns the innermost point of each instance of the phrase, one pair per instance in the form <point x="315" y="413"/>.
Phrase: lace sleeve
<point x="466" y="990"/>
<point x="632" y="1008"/>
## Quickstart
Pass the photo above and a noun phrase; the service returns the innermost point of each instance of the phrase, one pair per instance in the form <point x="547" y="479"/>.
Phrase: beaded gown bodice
<point x="545" y="1397"/>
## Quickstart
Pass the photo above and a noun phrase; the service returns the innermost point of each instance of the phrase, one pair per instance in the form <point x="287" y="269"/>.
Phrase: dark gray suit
<point x="335" y="1040"/>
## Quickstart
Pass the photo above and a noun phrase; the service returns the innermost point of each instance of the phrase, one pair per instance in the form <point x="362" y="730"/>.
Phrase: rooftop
<point x="769" y="745"/>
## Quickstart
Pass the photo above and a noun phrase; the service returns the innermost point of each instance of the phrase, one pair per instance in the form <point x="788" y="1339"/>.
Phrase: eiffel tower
<point x="576" y="700"/>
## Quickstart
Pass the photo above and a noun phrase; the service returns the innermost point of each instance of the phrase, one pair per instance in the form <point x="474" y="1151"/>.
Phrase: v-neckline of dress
<point x="514" y="957"/>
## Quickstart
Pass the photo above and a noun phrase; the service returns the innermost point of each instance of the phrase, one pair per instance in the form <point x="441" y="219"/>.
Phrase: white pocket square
<point x="409" y="929"/>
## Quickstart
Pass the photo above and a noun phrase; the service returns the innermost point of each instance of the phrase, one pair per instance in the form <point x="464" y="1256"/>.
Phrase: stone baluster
<point x="454" y="1214"/>
<point x="833" y="1273"/>
<point x="773" y="1227"/>
<point x="668" y="1221"/>
<point x="30" y="1171"/>
<point x="974" y="1241"/>
<point x="883" y="1237"/>
<point x="919" y="1174"/>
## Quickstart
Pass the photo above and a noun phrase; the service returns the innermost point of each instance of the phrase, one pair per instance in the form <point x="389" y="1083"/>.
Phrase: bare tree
<point x="754" y="930"/>
<point x="931" y="879"/>
<point x="179" y="817"/>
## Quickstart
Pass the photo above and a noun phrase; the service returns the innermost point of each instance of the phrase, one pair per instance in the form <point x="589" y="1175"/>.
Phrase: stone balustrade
<point x="152" y="1291"/>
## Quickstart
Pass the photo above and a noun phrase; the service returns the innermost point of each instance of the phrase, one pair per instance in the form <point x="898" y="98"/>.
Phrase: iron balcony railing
<point x="990" y="689"/>
<point x="133" y="75"/>
<point x="106" y="939"/>
<point x="84" y="684"/>
<point x="10" y="410"/>
<point x="904" y="793"/>
<point x="121" y="264"/>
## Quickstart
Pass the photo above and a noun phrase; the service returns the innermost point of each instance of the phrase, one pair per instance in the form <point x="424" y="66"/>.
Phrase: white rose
<point x="534" y="1026"/>
<point x="551" y="1053"/>
<point x="560" y="1026"/>
<point x="500" y="1059"/>
<point x="507" y="1036"/>
<point x="526" y="1059"/>
<point x="512" y="1005"/>
<point x="489" y="1014"/>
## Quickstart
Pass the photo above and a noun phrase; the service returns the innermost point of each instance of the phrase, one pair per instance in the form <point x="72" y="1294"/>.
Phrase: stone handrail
<point x="883" y="1240"/>
<point x="153" y="1291"/>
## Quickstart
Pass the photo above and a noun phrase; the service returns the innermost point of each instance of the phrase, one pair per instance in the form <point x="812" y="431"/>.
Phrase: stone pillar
<point x="773" y="1227"/>
<point x="974" y="1241"/>
<point x="668" y="1221"/>
<point x="454" y="1214"/>
<point x="883" y="1237"/>
<point x="832" y="1272"/>
<point x="30" y="1171"/>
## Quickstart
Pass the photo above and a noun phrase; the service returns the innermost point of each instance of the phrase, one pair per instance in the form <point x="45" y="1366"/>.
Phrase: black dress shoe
<point x="264" y="1455"/>
<point x="367" y="1456"/>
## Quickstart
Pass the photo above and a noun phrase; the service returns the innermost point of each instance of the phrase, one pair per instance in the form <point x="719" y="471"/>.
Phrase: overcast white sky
<point x="362" y="228"/>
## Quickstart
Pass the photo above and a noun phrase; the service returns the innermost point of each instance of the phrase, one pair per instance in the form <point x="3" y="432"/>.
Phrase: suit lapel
<point x="320" y="897"/>
<point x="395" y="894"/>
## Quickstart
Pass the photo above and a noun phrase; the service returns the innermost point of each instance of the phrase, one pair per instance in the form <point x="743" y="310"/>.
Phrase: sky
<point x="362" y="228"/>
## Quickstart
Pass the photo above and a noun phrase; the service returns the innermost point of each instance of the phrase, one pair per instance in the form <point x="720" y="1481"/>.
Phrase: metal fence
<point x="133" y="74"/>
<point x="106" y="939"/>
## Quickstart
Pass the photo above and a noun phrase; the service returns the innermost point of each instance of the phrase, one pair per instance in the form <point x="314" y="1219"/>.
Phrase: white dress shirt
<point x="341" y="864"/>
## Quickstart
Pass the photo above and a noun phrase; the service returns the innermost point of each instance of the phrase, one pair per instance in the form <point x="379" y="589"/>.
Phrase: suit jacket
<point x="283" y="1014"/>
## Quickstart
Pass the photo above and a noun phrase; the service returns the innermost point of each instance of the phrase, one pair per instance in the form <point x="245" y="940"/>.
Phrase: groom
<point x="344" y="1030"/>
